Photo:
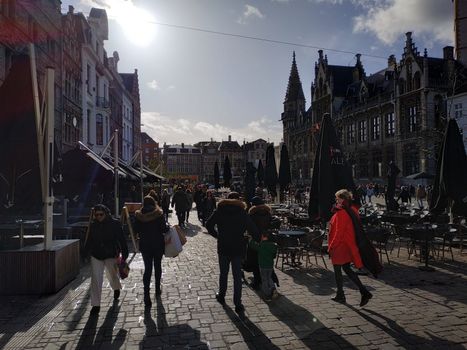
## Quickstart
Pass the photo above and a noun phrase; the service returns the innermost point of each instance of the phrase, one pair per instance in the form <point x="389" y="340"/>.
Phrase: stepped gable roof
<point x="229" y="146"/>
<point x="342" y="78"/>
<point x="294" y="87"/>
<point x="128" y="80"/>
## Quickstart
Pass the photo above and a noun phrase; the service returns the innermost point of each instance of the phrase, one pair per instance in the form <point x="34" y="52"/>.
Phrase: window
<point x="390" y="124"/>
<point x="362" y="134"/>
<point x="99" y="130"/>
<point x="458" y="110"/>
<point x="413" y="119"/>
<point x="375" y="128"/>
<point x="350" y="134"/>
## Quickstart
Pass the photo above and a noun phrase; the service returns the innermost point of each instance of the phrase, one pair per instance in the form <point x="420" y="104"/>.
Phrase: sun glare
<point x="135" y="22"/>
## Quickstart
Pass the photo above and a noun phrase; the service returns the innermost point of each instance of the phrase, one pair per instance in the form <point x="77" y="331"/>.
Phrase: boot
<point x="366" y="296"/>
<point x="339" y="298"/>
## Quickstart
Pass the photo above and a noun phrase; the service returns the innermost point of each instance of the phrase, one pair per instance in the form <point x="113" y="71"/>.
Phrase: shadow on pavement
<point x="319" y="281"/>
<point x="253" y="336"/>
<point x="401" y="336"/>
<point x="104" y="336"/>
<point x="161" y="335"/>
<point x="306" y="326"/>
<point x="192" y="230"/>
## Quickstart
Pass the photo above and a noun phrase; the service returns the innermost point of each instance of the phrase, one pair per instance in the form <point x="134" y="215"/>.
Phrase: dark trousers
<point x="187" y="215"/>
<point x="150" y="260"/>
<point x="224" y="265"/>
<point x="181" y="217"/>
<point x="351" y="274"/>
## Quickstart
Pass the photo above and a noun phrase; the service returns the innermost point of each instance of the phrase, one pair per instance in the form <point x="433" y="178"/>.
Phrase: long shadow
<point x="306" y="326"/>
<point x="401" y="336"/>
<point x="161" y="335"/>
<point x="319" y="281"/>
<point x="253" y="336"/>
<point x="451" y="286"/>
<point x="192" y="230"/>
<point x="20" y="314"/>
<point x="88" y="334"/>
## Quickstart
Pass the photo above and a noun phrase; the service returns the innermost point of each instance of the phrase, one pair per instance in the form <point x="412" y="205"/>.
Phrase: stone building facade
<point x="151" y="150"/>
<point x="232" y="150"/>
<point x="209" y="156"/>
<point x="182" y="161"/>
<point x="255" y="151"/>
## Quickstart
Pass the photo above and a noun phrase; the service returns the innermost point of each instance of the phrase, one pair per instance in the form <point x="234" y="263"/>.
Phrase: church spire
<point x="294" y="88"/>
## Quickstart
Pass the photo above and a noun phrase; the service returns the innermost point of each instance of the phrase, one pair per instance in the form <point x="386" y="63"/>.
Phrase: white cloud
<point x="171" y="130"/>
<point x="391" y="18"/>
<point x="250" y="12"/>
<point x="171" y="87"/>
<point x="153" y="85"/>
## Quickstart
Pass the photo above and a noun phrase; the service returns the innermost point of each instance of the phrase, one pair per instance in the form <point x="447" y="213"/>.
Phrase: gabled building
<point x="232" y="150"/>
<point x="255" y="151"/>
<point x="131" y="83"/>
<point x="297" y="126"/>
<point x="209" y="157"/>
<point x="151" y="150"/>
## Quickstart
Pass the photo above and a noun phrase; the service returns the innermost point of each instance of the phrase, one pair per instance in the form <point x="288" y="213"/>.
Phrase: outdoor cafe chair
<point x="312" y="247"/>
<point x="443" y="243"/>
<point x="400" y="237"/>
<point x="288" y="250"/>
<point x="379" y="236"/>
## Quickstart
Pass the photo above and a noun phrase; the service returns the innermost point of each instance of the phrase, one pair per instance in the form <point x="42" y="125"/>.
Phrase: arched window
<point x="99" y="129"/>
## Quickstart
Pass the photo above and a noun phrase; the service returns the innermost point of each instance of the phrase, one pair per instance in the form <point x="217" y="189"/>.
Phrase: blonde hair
<point x="344" y="194"/>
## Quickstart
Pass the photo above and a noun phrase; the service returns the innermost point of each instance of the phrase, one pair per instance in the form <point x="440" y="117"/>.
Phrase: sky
<point x="196" y="85"/>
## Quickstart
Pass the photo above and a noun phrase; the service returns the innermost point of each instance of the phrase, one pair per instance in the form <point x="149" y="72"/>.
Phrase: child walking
<point x="267" y="251"/>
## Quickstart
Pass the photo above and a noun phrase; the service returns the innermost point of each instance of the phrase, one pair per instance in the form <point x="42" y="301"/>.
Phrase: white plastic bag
<point x="173" y="246"/>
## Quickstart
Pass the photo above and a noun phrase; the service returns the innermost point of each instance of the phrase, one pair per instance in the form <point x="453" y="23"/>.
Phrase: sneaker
<point x="220" y="299"/>
<point x="116" y="294"/>
<point x="95" y="310"/>
<point x="275" y="294"/>
<point x="366" y="296"/>
<point x="239" y="309"/>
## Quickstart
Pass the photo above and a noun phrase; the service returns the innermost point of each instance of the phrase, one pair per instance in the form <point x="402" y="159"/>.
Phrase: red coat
<point x="342" y="245"/>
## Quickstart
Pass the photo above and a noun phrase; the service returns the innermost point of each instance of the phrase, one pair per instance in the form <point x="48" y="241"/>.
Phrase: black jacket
<point x="151" y="226"/>
<point x="232" y="221"/>
<point x="106" y="240"/>
<point x="261" y="216"/>
<point x="180" y="200"/>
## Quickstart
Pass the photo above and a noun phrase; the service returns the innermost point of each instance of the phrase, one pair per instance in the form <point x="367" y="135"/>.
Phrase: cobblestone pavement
<point x="411" y="309"/>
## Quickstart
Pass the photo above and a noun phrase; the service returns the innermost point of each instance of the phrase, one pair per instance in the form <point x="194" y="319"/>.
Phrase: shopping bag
<point x="123" y="268"/>
<point x="181" y="234"/>
<point x="173" y="246"/>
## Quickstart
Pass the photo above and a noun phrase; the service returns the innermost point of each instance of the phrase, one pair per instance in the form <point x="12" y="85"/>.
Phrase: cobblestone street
<point x="411" y="309"/>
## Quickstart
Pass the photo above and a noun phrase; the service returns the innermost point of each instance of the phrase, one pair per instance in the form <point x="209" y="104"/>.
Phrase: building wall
<point x="457" y="107"/>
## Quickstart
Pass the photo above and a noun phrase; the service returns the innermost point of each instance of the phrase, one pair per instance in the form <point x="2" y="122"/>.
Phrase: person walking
<point x="189" y="196"/>
<point x="342" y="246"/>
<point x="104" y="243"/>
<point x="231" y="220"/>
<point x="165" y="204"/>
<point x="404" y="195"/>
<point x="151" y="226"/>
<point x="198" y="198"/>
<point x="180" y="202"/>
<point x="267" y="251"/>
<point x="209" y="206"/>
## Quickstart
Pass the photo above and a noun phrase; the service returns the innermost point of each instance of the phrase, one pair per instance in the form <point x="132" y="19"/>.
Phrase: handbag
<point x="123" y="268"/>
<point x="173" y="245"/>
<point x="181" y="234"/>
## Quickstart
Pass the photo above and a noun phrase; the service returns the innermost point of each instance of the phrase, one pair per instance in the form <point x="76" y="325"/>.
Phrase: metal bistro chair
<point x="313" y="246"/>
<point x="400" y="237"/>
<point x="288" y="250"/>
<point x="443" y="243"/>
<point x="379" y="236"/>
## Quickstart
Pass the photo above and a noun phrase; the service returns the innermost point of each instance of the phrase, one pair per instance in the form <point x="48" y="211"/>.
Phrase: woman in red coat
<point x="342" y="247"/>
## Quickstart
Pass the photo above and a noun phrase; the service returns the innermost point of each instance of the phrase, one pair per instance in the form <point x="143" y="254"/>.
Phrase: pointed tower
<point x="294" y="103"/>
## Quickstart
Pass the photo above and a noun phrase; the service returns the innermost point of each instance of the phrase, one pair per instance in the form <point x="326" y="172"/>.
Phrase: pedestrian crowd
<point x="244" y="242"/>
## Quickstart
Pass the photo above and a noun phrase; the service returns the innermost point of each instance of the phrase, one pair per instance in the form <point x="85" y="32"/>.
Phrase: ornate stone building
<point x="395" y="114"/>
<point x="298" y="128"/>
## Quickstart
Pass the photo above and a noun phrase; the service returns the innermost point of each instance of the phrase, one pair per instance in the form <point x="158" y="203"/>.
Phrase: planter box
<point x="33" y="270"/>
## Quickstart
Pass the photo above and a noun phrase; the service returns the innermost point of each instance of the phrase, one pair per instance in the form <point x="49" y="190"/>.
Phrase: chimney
<point x="448" y="53"/>
<point x="71" y="9"/>
<point x="230" y="138"/>
<point x="211" y="139"/>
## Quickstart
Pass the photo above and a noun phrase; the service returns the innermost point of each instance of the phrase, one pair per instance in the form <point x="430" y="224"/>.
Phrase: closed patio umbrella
<point x="450" y="186"/>
<point x="216" y="175"/>
<point x="331" y="172"/>
<point x="284" y="169"/>
<point x="270" y="173"/>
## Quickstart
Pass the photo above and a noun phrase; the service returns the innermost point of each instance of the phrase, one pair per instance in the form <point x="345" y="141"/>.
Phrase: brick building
<point x="151" y="150"/>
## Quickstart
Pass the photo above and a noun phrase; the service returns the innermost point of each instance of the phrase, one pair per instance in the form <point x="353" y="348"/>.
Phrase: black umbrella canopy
<point x="216" y="175"/>
<point x="451" y="173"/>
<point x="260" y="173"/>
<point x="331" y="172"/>
<point x="284" y="169"/>
<point x="270" y="173"/>
<point x="249" y="181"/>
<point x="19" y="171"/>
<point x="227" y="172"/>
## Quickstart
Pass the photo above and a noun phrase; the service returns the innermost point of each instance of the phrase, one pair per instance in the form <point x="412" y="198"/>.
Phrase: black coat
<point x="180" y="201"/>
<point x="106" y="240"/>
<point x="232" y="221"/>
<point x="261" y="216"/>
<point x="151" y="226"/>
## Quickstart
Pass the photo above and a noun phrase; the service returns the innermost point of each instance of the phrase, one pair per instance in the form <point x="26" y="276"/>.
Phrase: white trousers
<point x="97" y="272"/>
